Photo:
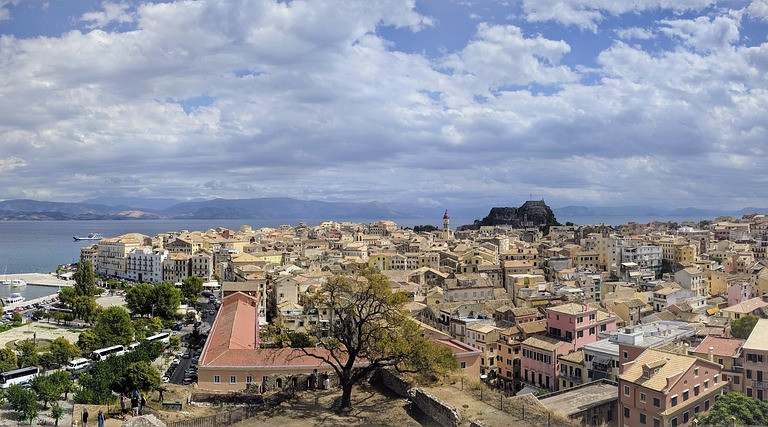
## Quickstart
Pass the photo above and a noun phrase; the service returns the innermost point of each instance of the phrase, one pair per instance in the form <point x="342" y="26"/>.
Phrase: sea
<point x="40" y="246"/>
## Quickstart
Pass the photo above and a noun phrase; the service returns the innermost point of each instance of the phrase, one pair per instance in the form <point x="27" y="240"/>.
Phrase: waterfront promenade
<point x="40" y="279"/>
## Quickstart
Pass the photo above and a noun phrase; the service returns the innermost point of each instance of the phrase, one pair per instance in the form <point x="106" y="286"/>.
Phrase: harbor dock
<point x="40" y="279"/>
<point x="49" y="299"/>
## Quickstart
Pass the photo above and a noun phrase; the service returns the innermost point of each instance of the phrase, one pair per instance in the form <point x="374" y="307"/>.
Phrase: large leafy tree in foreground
<point x="370" y="329"/>
<point x="746" y="411"/>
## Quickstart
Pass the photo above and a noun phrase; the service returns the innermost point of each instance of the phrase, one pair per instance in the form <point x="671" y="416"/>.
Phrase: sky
<point x="435" y="102"/>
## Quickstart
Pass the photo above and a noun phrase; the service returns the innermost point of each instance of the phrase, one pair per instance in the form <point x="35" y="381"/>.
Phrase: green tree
<point x="140" y="299"/>
<point x="56" y="413"/>
<point x="167" y="300"/>
<point x="746" y="410"/>
<point x="276" y="333"/>
<point x="741" y="328"/>
<point x="113" y="326"/>
<point x="140" y="376"/>
<point x="63" y="350"/>
<point x="63" y="382"/>
<point x="85" y="279"/>
<point x="8" y="360"/>
<point x="369" y="323"/>
<point x="27" y="353"/>
<point x="191" y="287"/>
<point x="16" y="318"/>
<point x="22" y="401"/>
<point x="87" y="341"/>
<point x="175" y="343"/>
<point x="67" y="295"/>
<point x="48" y="361"/>
<point x="301" y="339"/>
<point x="45" y="389"/>
<point x="155" y="325"/>
<point x="85" y="307"/>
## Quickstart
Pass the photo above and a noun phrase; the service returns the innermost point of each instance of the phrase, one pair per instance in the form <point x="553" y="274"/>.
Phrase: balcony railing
<point x="571" y="377"/>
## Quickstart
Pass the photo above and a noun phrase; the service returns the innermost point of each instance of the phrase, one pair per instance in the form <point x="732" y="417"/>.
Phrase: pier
<point x="40" y="279"/>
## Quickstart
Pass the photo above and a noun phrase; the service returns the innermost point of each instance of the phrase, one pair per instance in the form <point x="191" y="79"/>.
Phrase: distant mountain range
<point x="112" y="208"/>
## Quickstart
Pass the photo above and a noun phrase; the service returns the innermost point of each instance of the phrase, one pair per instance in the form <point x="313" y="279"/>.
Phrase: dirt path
<point x="372" y="407"/>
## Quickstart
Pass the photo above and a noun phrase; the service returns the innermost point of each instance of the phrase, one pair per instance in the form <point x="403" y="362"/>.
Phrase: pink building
<point x="539" y="364"/>
<point x="578" y="324"/>
<point x="657" y="388"/>
<point x="739" y="291"/>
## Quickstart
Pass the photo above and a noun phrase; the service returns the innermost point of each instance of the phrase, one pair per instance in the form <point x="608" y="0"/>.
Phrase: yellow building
<point x="572" y="370"/>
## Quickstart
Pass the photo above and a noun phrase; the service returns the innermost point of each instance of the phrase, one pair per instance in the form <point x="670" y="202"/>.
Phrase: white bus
<point x="101" y="354"/>
<point x="18" y="376"/>
<point x="164" y="337"/>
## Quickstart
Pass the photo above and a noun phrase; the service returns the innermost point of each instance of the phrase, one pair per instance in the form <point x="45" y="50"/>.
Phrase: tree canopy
<point x="746" y="410"/>
<point x="741" y="328"/>
<point x="191" y="287"/>
<point x="22" y="401"/>
<point x="27" y="353"/>
<point x="113" y="327"/>
<point x="8" y="360"/>
<point x="160" y="300"/>
<point x="85" y="279"/>
<point x="369" y="329"/>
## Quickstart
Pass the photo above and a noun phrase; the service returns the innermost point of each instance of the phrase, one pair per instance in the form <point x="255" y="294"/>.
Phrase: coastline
<point x="40" y="279"/>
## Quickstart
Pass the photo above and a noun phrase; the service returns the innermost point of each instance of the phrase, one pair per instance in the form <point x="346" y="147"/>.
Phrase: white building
<point x="144" y="264"/>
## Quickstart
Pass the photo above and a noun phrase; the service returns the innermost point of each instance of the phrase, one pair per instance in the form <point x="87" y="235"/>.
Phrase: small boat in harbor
<point x="17" y="283"/>
<point x="15" y="298"/>
<point x="90" y="236"/>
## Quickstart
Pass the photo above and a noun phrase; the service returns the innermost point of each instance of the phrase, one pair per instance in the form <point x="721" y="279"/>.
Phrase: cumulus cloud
<point x="587" y="14"/>
<point x="703" y="33"/>
<point x="112" y="12"/>
<point x="758" y="9"/>
<point x="308" y="99"/>
<point x="636" y="33"/>
<point x="4" y="12"/>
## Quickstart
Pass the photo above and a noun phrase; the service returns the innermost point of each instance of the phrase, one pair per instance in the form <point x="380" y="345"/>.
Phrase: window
<point x="749" y="374"/>
<point x="626" y="355"/>
<point x="642" y="418"/>
<point x="592" y="330"/>
<point x="232" y="379"/>
<point x="216" y="379"/>
<point x="706" y="384"/>
<point x="714" y="379"/>
<point x="696" y="390"/>
<point x="656" y="402"/>
<point x="706" y="405"/>
<point x="463" y="365"/>
<point x="685" y="417"/>
<point x="656" y="422"/>
<point x="642" y="397"/>
<point x="674" y="422"/>
<point x="673" y="401"/>
<point x="749" y="392"/>
<point x="626" y="412"/>
<point x="685" y="395"/>
<point x="248" y="379"/>
<point x="695" y="372"/>
<point x="580" y="334"/>
<point x="696" y="409"/>
<point x="626" y="390"/>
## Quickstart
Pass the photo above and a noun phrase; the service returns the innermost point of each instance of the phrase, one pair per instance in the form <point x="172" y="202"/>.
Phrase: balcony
<point x="571" y="377"/>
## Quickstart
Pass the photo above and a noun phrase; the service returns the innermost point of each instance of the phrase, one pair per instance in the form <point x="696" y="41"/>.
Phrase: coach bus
<point x="103" y="353"/>
<point x="18" y="376"/>
<point x="163" y="337"/>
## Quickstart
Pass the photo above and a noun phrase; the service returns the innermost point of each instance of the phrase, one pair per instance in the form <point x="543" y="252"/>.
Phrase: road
<point x="186" y="332"/>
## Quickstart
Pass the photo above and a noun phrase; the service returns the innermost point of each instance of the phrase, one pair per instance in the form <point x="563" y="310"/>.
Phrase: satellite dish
<point x="482" y="377"/>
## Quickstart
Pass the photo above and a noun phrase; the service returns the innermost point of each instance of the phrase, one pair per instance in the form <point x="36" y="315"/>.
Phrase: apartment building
<point x="144" y="264"/>
<point x="578" y="324"/>
<point x="657" y="388"/>
<point x="755" y="360"/>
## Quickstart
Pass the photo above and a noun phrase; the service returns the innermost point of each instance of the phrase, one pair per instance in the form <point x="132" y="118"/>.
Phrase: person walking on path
<point x="142" y="404"/>
<point x="85" y="417"/>
<point x="100" y="418"/>
<point x="135" y="405"/>
<point x="123" y="410"/>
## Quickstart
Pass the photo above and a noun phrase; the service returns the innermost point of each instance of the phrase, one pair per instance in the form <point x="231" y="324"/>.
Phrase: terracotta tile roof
<point x="570" y="308"/>
<point x="747" y="306"/>
<point x="533" y="327"/>
<point x="669" y="365"/>
<point x="574" y="356"/>
<point x="545" y="343"/>
<point x="725" y="347"/>
<point x="234" y="340"/>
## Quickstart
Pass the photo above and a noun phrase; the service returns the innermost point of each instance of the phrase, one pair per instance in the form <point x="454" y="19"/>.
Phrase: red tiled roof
<point x="234" y="340"/>
<point x="457" y="347"/>
<point x="726" y="347"/>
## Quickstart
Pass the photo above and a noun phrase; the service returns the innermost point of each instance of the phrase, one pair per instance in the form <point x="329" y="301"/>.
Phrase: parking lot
<point x="184" y="365"/>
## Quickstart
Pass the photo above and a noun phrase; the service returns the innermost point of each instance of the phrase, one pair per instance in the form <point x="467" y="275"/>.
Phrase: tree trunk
<point x="346" y="396"/>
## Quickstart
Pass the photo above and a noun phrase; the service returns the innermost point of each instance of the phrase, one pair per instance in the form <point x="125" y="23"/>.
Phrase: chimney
<point x="711" y="354"/>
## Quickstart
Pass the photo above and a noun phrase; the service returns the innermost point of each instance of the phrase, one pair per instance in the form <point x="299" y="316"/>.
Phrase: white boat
<point x="90" y="236"/>
<point x="15" y="298"/>
<point x="17" y="283"/>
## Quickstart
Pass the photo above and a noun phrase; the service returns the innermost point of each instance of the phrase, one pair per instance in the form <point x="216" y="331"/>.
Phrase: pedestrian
<point x="313" y="380"/>
<point x="326" y="382"/>
<point x="123" y="410"/>
<point x="85" y="417"/>
<point x="161" y="394"/>
<point x="142" y="404"/>
<point x="100" y="418"/>
<point x="135" y="405"/>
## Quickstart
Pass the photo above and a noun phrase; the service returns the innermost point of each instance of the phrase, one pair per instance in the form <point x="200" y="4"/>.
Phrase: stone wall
<point x="393" y="381"/>
<point x="442" y="413"/>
